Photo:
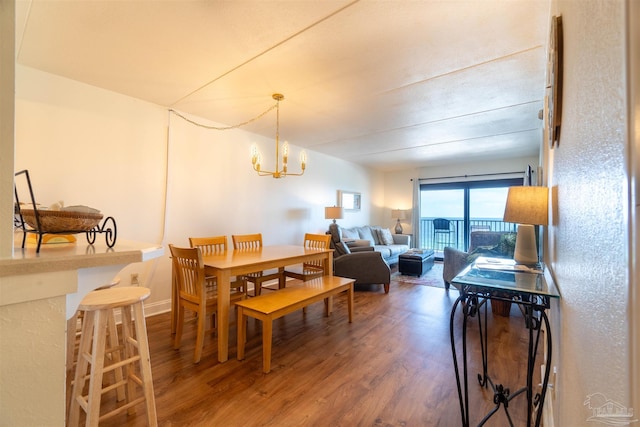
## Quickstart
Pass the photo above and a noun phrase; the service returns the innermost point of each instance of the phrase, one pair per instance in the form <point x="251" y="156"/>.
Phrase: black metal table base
<point x="474" y="304"/>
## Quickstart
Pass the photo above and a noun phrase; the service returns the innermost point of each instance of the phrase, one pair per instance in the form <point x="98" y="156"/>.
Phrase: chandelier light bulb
<point x="303" y="159"/>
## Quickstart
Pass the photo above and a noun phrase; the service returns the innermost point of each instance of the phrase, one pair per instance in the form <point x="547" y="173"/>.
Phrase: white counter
<point x="38" y="292"/>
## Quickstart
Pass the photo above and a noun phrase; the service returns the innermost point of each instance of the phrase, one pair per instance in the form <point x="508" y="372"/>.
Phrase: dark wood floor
<point x="391" y="367"/>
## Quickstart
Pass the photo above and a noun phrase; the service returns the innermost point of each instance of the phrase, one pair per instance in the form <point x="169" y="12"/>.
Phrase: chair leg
<point x="179" y="325"/>
<point x="114" y="353"/>
<point x="81" y="368"/>
<point x="97" y="366"/>
<point x="202" y="317"/>
<point x="145" y="364"/>
<point x="129" y="352"/>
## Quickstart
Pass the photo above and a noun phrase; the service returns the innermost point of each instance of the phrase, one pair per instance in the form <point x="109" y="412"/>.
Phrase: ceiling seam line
<point x="258" y="55"/>
<point x="459" y="70"/>
<point x="441" y="143"/>
<point x="438" y="120"/>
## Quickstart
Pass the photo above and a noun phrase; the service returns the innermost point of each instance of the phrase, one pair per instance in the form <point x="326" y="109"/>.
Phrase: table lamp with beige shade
<point x="527" y="206"/>
<point x="333" y="212"/>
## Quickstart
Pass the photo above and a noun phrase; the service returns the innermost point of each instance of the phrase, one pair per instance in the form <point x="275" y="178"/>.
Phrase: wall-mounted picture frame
<point x="554" y="82"/>
<point x="349" y="200"/>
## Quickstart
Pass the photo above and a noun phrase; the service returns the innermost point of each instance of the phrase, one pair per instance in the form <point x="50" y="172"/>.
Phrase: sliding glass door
<point x="449" y="212"/>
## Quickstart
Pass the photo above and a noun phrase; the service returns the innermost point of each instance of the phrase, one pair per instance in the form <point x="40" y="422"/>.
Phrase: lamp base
<point x="398" y="227"/>
<point x="526" y="251"/>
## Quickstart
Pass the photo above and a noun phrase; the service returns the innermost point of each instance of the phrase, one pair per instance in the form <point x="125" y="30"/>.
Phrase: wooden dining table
<point x="238" y="262"/>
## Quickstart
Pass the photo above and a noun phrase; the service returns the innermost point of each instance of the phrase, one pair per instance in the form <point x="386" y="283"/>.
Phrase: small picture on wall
<point x="349" y="200"/>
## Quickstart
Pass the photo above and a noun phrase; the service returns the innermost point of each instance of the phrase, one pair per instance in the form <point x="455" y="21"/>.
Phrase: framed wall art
<point x="554" y="82"/>
<point x="349" y="200"/>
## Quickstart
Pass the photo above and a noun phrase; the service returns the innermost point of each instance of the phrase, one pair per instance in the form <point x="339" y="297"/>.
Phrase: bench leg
<point x="242" y="332"/>
<point x="267" y="332"/>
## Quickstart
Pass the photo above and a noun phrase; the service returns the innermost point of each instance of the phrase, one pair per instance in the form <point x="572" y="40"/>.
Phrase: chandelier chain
<point x="239" y="125"/>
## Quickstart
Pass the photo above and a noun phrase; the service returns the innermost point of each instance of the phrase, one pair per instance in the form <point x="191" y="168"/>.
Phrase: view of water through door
<point x="449" y="212"/>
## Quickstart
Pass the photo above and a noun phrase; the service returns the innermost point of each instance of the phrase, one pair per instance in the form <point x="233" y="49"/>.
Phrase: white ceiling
<point x="390" y="84"/>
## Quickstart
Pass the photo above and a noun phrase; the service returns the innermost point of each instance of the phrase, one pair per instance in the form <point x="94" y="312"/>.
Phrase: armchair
<point x="361" y="263"/>
<point x="366" y="267"/>
<point x="499" y="244"/>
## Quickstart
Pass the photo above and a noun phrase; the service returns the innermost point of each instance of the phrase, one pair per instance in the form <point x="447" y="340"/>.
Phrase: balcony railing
<point x="437" y="241"/>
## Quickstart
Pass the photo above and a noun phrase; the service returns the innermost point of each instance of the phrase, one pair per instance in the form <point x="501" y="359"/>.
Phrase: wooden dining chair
<point x="216" y="245"/>
<point x="194" y="294"/>
<point x="311" y="269"/>
<point x="251" y="242"/>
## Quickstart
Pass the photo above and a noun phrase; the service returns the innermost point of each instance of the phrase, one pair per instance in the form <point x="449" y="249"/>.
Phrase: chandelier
<point x="256" y="157"/>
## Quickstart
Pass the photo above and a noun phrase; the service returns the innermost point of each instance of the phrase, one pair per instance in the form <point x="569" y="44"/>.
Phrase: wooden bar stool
<point x="97" y="307"/>
<point x="73" y="342"/>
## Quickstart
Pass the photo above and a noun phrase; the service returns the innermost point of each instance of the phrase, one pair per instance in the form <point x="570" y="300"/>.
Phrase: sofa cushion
<point x="384" y="250"/>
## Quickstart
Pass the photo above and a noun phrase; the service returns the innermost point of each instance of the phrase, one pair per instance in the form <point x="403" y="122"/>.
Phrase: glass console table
<point x="496" y="279"/>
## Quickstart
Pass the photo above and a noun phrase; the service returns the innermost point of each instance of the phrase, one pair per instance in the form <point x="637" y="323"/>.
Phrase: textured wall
<point x="588" y="238"/>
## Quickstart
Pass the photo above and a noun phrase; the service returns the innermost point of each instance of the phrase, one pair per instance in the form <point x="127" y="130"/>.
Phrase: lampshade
<point x="397" y="214"/>
<point x="333" y="212"/>
<point x="527" y="205"/>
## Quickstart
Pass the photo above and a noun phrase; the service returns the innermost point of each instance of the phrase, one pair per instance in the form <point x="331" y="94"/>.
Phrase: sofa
<point x="380" y="239"/>
<point x="496" y="244"/>
<point x="357" y="259"/>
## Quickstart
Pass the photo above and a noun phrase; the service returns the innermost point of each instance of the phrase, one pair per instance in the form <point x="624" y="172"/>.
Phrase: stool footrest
<point x="122" y="408"/>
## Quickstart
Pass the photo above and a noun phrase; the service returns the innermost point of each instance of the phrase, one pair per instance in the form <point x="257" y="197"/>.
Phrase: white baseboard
<point x="158" y="307"/>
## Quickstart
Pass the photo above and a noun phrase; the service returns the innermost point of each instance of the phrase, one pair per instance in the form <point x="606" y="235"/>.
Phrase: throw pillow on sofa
<point x="365" y="234"/>
<point x="375" y="231"/>
<point x="348" y="233"/>
<point x="386" y="238"/>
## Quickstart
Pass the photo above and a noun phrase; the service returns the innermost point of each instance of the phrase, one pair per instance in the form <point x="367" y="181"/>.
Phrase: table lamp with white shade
<point x="333" y="212"/>
<point x="527" y="206"/>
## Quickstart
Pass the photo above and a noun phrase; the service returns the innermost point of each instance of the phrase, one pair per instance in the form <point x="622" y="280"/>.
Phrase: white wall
<point x="589" y="237"/>
<point x="164" y="179"/>
<point x="7" y="119"/>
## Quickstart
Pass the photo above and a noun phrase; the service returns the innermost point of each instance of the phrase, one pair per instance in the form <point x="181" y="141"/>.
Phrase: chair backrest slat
<point x="247" y="241"/>
<point x="209" y="245"/>
<point x="316" y="241"/>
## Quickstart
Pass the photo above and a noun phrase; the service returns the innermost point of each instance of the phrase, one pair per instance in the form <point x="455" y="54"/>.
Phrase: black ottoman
<point x="416" y="262"/>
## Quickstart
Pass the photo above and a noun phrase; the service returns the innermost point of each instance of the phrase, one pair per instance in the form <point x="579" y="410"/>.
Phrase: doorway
<point x="450" y="211"/>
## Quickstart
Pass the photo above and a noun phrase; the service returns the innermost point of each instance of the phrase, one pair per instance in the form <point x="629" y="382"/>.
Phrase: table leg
<point x="267" y="334"/>
<point x="463" y="393"/>
<point x="242" y="332"/>
<point x="224" y="292"/>
<point x="328" y="264"/>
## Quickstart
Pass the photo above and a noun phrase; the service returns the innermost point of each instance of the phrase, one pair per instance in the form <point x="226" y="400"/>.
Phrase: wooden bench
<point x="273" y="305"/>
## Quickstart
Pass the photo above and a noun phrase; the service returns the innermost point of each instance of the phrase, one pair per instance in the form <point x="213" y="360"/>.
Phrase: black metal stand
<point x="473" y="300"/>
<point x="108" y="226"/>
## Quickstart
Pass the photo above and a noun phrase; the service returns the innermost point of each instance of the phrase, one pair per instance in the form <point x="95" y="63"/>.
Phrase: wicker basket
<point x="61" y="221"/>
